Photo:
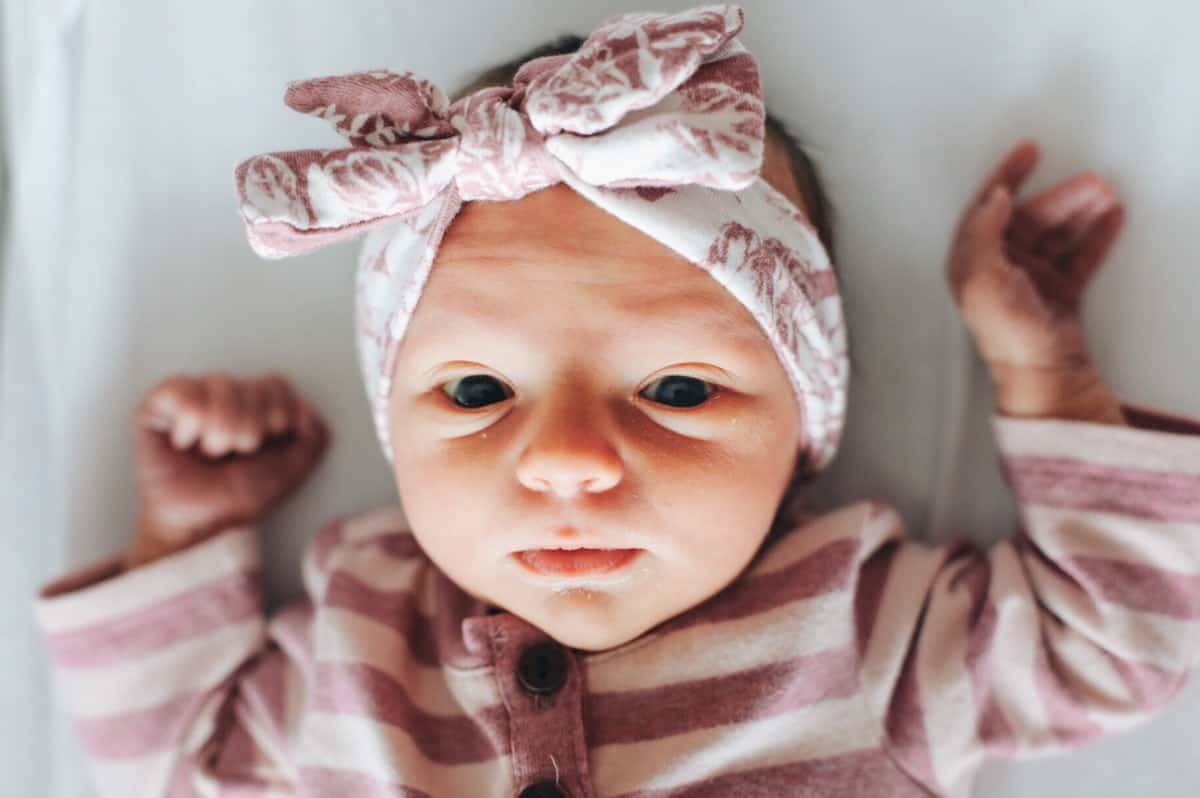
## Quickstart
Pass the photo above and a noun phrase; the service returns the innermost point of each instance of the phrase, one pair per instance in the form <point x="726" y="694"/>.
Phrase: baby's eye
<point x="475" y="390"/>
<point x="679" y="391"/>
<point x="479" y="390"/>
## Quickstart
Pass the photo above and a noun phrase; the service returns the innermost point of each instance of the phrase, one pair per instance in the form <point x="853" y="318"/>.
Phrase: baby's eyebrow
<point x="700" y="319"/>
<point x="686" y="309"/>
<point x="736" y="346"/>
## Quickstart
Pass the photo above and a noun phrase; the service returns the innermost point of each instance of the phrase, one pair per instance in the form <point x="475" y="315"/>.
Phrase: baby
<point x="601" y="583"/>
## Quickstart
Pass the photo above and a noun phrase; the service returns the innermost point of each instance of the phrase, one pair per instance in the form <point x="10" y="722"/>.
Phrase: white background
<point x="125" y="260"/>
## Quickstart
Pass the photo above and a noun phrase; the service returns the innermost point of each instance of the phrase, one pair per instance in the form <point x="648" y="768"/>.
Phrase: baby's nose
<point x="568" y="456"/>
<point x="567" y="477"/>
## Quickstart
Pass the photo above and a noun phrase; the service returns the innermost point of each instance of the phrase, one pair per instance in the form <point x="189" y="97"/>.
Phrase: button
<point x="542" y="669"/>
<point x="543" y="789"/>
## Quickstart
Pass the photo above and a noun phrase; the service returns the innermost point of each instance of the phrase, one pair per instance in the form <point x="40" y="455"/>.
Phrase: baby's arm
<point x="1085" y="622"/>
<point x="163" y="656"/>
<point x="1088" y="619"/>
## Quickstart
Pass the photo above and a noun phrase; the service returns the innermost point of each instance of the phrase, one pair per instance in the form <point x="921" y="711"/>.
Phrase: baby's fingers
<point x="247" y="429"/>
<point x="287" y="411"/>
<point x="221" y="416"/>
<point x="174" y="406"/>
<point x="1095" y="246"/>
<point x="278" y="404"/>
<point x="1011" y="172"/>
<point x="1055" y="220"/>
<point x="282" y="465"/>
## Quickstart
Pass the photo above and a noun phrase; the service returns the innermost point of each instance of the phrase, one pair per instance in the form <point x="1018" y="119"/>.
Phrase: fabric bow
<point x="648" y="100"/>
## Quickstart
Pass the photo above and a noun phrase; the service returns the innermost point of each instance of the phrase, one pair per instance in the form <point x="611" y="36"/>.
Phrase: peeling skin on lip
<point x="583" y="591"/>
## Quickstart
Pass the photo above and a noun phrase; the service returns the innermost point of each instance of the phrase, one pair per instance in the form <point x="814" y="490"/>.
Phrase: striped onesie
<point x="846" y="660"/>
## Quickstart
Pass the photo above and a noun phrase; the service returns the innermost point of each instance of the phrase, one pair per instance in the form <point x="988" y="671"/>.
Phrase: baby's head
<point x="595" y="310"/>
<point x="568" y="381"/>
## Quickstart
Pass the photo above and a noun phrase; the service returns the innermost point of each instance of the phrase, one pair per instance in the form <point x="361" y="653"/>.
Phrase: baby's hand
<point x="213" y="452"/>
<point x="1018" y="276"/>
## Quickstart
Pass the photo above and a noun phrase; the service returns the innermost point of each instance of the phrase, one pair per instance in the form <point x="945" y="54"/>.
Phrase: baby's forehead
<point x="556" y="247"/>
<point x="558" y="236"/>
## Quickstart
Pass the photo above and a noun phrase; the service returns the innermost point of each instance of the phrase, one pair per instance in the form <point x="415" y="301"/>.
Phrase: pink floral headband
<point x="657" y="119"/>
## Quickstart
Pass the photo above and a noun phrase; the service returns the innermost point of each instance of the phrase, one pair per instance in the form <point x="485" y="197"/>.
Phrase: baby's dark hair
<point x="803" y="170"/>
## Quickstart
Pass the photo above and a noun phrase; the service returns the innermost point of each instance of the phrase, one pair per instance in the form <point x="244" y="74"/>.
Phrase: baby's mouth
<point x="575" y="562"/>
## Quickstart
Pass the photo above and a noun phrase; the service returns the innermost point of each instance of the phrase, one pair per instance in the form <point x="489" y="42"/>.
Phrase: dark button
<point x="543" y="789"/>
<point x="542" y="669"/>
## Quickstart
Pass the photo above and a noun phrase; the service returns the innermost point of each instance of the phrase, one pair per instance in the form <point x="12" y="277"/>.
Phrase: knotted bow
<point x="649" y="100"/>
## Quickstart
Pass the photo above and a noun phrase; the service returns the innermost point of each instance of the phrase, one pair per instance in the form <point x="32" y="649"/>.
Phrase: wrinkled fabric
<point x="657" y="119"/>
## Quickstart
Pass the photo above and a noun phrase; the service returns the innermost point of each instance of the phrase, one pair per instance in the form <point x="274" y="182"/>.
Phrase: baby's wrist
<point x="154" y="540"/>
<point x="1076" y="393"/>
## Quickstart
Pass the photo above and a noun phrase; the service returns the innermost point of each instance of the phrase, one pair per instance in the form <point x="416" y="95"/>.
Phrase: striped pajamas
<point x="846" y="660"/>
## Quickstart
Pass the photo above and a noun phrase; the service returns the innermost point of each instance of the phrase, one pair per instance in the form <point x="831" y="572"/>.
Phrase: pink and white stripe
<point x="847" y="660"/>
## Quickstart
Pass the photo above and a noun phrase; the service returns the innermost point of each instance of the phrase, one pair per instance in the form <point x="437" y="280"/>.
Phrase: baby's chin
<point x="589" y="619"/>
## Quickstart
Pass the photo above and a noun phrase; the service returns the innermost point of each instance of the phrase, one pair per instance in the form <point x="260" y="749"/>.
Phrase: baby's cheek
<point x="429" y="492"/>
<point x="724" y="498"/>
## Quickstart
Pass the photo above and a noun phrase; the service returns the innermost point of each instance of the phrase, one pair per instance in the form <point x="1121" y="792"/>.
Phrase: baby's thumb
<point x="985" y="230"/>
<point x="309" y="444"/>
<point x="279" y="467"/>
<point x="979" y="240"/>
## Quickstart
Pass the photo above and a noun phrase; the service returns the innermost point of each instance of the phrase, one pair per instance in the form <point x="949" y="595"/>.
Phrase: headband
<point x="657" y="119"/>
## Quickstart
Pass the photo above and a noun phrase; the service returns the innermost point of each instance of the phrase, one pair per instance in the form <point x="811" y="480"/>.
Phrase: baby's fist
<point x="213" y="451"/>
<point x="1018" y="274"/>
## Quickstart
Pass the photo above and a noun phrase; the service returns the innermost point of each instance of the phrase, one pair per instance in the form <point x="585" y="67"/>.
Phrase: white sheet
<point x="125" y="261"/>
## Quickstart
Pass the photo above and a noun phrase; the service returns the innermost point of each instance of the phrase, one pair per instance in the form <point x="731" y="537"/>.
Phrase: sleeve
<point x="1083" y="623"/>
<point x="171" y="680"/>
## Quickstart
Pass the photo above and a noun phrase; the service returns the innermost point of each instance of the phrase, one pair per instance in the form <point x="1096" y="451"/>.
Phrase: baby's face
<point x="568" y="381"/>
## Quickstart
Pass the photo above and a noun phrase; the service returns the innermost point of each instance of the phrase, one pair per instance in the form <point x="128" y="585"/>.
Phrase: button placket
<point x="541" y="685"/>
